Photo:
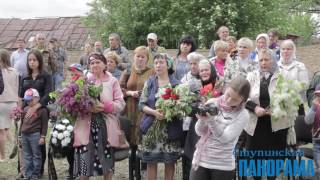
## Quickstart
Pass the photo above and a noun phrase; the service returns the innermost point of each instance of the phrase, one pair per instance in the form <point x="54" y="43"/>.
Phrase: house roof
<point x="69" y="31"/>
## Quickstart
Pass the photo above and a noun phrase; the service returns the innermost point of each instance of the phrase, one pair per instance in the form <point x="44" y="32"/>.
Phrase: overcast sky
<point x="42" y="8"/>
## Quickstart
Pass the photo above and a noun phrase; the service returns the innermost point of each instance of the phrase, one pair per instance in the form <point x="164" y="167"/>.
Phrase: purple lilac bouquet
<point x="76" y="98"/>
<point x="16" y="113"/>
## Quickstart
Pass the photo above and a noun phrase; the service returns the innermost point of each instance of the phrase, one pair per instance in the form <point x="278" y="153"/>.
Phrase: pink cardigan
<point x="113" y="101"/>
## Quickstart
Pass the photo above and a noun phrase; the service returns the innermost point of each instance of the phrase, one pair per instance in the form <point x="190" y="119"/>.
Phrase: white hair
<point x="194" y="56"/>
<point x="246" y="41"/>
<point x="220" y="45"/>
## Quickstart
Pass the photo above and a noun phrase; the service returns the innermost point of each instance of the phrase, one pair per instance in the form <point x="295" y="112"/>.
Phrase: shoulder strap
<point x="1" y="82"/>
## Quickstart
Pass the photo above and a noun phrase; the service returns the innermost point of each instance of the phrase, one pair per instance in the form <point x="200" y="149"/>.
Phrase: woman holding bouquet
<point x="207" y="78"/>
<point x="262" y="133"/>
<point x="93" y="151"/>
<point x="164" y="147"/>
<point x="293" y="69"/>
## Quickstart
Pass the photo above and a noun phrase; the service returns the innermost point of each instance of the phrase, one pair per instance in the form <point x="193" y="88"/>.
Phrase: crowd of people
<point x="240" y="76"/>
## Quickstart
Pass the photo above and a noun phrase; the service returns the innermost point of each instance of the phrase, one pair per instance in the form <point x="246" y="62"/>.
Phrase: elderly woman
<point x="113" y="59"/>
<point x="291" y="68"/>
<point x="263" y="134"/>
<point x="93" y="151"/>
<point x="132" y="84"/>
<point x="186" y="45"/>
<point x="166" y="146"/>
<point x="207" y="77"/>
<point x="243" y="64"/>
<point x="262" y="42"/>
<point x="192" y="78"/>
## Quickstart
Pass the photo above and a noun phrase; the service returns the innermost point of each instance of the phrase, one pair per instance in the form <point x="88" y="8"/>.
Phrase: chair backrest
<point x="303" y="131"/>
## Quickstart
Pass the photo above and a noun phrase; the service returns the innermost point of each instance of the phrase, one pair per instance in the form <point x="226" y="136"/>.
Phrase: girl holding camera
<point x="213" y="158"/>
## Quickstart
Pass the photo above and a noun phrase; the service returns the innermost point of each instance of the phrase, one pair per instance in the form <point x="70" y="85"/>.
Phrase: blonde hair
<point x="220" y="45"/>
<point x="232" y="38"/>
<point x="142" y="49"/>
<point x="290" y="43"/>
<point x="114" y="56"/>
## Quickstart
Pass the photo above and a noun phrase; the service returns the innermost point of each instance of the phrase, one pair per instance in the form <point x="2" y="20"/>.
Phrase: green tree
<point x="170" y="19"/>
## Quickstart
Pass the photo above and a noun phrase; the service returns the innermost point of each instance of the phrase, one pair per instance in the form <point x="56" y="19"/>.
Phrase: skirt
<point x="96" y="158"/>
<point x="159" y="148"/>
<point x="6" y="107"/>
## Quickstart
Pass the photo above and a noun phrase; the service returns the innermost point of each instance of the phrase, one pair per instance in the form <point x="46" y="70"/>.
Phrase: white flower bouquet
<point x="61" y="137"/>
<point x="286" y="99"/>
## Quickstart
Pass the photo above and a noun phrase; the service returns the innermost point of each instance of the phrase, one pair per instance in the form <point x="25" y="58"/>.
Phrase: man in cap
<point x="153" y="48"/>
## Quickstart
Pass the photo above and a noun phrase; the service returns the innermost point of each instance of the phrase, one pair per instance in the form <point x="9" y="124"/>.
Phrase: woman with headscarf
<point x="208" y="76"/>
<point x="93" y="137"/>
<point x="262" y="42"/>
<point x="290" y="67"/>
<point x="166" y="146"/>
<point x="264" y="135"/>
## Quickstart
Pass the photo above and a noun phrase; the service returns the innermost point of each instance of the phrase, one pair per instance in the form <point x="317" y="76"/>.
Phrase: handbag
<point x="117" y="140"/>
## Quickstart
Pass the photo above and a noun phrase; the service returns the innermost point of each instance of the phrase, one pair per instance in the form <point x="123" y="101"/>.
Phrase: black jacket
<point x="42" y="83"/>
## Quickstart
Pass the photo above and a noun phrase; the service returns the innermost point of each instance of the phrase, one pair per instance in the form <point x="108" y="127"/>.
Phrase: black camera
<point x="210" y="108"/>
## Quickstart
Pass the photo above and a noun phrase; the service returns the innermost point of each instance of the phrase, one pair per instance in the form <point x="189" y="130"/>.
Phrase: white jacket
<point x="296" y="71"/>
<point x="254" y="80"/>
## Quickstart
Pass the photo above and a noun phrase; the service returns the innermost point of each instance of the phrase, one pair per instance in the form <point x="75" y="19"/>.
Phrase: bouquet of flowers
<point x="61" y="137"/>
<point x="76" y="98"/>
<point x="16" y="114"/>
<point x="175" y="102"/>
<point x="208" y="92"/>
<point x="286" y="99"/>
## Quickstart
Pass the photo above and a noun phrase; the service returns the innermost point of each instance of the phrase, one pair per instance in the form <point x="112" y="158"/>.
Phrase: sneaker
<point x="70" y="177"/>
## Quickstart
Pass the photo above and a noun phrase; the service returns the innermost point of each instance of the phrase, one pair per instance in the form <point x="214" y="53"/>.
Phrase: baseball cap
<point x="317" y="90"/>
<point x="75" y="66"/>
<point x="30" y="93"/>
<point x="152" y="36"/>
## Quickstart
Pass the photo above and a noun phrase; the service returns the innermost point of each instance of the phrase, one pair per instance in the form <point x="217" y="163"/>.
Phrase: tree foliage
<point x="170" y="19"/>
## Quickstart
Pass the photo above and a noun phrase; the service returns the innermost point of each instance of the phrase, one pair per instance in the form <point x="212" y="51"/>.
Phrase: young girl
<point x="213" y="158"/>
